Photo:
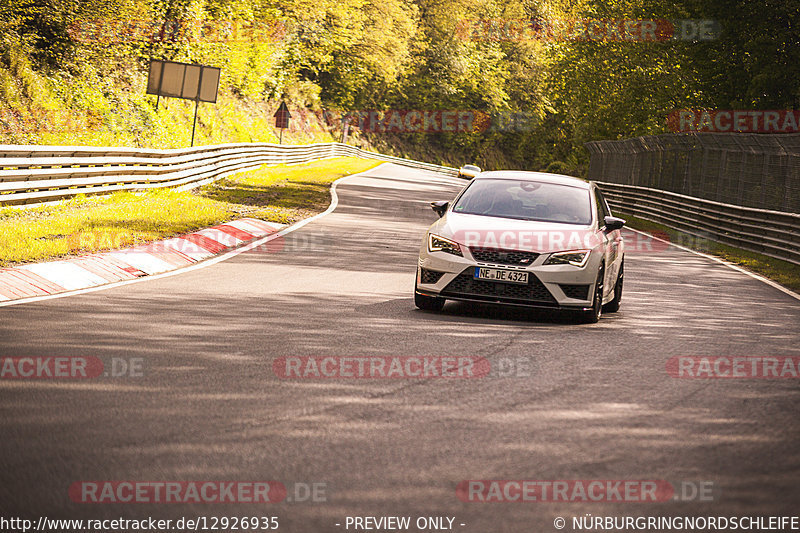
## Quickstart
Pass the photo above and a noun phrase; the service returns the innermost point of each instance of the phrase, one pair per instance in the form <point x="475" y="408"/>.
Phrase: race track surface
<point x="588" y="402"/>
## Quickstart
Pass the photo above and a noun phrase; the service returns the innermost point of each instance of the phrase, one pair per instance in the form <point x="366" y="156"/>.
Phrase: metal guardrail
<point x="772" y="233"/>
<point x="32" y="175"/>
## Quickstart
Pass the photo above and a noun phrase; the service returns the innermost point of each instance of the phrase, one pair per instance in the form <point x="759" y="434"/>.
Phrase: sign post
<point x="183" y="80"/>
<point x="282" y="117"/>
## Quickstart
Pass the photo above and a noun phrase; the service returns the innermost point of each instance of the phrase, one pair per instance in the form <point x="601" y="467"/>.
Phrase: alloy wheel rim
<point x="598" y="296"/>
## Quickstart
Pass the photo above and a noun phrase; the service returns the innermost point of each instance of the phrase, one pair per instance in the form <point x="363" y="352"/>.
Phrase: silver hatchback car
<point x="524" y="239"/>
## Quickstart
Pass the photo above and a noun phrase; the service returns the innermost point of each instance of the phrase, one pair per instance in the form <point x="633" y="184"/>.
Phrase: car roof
<point x="545" y="177"/>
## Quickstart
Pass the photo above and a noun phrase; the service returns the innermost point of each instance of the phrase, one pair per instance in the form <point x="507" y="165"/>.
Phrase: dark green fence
<point x="745" y="169"/>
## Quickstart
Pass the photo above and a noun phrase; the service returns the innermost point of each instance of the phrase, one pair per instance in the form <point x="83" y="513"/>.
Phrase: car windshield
<point x="526" y="200"/>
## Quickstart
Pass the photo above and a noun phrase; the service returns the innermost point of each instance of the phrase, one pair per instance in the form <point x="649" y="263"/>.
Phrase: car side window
<point x="602" y="206"/>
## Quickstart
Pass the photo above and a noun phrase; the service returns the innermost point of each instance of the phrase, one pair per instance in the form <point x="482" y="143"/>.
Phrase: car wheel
<point x="592" y="316"/>
<point x="613" y="305"/>
<point x="428" y="303"/>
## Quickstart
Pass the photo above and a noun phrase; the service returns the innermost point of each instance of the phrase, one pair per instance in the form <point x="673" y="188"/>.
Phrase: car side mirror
<point x="440" y="207"/>
<point x="613" y="223"/>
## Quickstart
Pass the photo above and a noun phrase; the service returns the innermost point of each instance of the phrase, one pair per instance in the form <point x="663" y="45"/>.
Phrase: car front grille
<point x="579" y="292"/>
<point x="430" y="276"/>
<point x="465" y="286"/>
<point x="503" y="257"/>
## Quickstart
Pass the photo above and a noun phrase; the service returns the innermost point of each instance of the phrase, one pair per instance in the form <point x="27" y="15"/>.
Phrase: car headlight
<point x="576" y="258"/>
<point x="440" y="244"/>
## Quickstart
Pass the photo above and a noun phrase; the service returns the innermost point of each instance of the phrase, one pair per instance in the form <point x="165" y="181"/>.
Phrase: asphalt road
<point x="591" y="401"/>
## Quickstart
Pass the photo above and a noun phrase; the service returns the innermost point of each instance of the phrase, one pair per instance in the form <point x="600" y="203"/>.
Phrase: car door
<point x="612" y="243"/>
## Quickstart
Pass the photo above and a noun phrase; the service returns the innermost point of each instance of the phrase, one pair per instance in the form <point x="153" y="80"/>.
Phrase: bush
<point x="557" y="167"/>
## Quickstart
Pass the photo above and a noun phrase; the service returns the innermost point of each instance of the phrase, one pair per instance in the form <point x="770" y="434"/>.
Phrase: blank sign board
<point x="183" y="80"/>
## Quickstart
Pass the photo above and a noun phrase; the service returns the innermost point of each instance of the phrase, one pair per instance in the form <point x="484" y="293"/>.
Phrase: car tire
<point x="613" y="305"/>
<point x="593" y="315"/>
<point x="428" y="303"/>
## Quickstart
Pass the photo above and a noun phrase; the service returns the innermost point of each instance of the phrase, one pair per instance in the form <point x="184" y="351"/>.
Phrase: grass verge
<point x="782" y="272"/>
<point x="283" y="193"/>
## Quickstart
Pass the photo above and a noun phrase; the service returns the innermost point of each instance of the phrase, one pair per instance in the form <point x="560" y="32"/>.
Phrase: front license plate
<point x="495" y="274"/>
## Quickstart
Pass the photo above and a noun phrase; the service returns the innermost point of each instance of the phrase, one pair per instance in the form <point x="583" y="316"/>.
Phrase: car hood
<point x="511" y="234"/>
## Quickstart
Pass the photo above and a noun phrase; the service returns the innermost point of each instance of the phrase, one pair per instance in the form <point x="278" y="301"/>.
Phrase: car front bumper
<point x="550" y="286"/>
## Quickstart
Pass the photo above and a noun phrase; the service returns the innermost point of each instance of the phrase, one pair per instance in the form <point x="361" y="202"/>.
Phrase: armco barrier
<point x="32" y="174"/>
<point x="772" y="233"/>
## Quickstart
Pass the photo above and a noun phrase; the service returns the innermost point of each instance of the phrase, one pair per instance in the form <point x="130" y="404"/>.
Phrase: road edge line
<point x="728" y="264"/>
<point x="206" y="262"/>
